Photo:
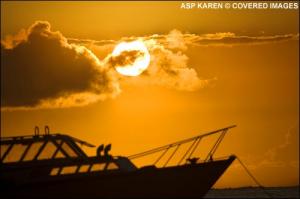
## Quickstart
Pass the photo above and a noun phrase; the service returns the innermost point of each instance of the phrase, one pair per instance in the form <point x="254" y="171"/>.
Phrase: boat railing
<point x="195" y="141"/>
<point x="37" y="147"/>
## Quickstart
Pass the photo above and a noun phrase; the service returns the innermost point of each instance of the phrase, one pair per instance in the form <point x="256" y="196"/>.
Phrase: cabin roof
<point x="38" y="147"/>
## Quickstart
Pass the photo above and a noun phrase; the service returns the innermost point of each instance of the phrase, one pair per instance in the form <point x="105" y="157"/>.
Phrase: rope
<point x="254" y="179"/>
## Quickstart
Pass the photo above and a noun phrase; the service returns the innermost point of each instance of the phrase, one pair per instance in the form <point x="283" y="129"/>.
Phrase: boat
<point x="55" y="166"/>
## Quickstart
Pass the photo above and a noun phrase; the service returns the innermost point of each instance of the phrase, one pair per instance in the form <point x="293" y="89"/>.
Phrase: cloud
<point x="41" y="69"/>
<point x="276" y="156"/>
<point x="90" y="41"/>
<point x="169" y="63"/>
<point x="170" y="68"/>
<point x="125" y="58"/>
<point x="231" y="39"/>
<point x="176" y="40"/>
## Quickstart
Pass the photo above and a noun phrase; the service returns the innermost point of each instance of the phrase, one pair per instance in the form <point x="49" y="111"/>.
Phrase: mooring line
<point x="255" y="180"/>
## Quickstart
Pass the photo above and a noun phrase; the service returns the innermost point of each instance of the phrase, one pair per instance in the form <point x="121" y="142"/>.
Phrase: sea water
<point x="254" y="192"/>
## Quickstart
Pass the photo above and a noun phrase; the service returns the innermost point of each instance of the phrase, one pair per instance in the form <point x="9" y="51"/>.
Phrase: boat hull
<point x="178" y="181"/>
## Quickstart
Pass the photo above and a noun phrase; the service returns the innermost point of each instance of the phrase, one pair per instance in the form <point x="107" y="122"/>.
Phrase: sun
<point x="138" y="63"/>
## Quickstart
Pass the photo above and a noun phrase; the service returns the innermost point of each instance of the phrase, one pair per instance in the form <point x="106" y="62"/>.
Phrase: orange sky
<point x="255" y="84"/>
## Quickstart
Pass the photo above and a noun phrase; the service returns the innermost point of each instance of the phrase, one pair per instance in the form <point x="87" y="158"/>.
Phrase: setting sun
<point x="137" y="61"/>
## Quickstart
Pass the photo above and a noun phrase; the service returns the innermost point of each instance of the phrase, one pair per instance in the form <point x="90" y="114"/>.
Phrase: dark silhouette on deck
<point x="55" y="166"/>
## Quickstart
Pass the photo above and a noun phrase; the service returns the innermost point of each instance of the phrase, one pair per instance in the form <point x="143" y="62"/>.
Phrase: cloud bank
<point x="178" y="40"/>
<point x="41" y="69"/>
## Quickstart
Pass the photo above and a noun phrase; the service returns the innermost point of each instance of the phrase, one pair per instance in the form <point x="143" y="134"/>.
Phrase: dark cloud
<point x="231" y="39"/>
<point x="42" y="67"/>
<point x="125" y="58"/>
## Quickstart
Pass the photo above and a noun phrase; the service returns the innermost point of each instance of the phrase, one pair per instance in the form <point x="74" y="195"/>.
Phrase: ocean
<point x="254" y="192"/>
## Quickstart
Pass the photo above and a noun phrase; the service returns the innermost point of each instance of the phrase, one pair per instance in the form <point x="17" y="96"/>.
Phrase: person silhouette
<point x="99" y="150"/>
<point x="106" y="150"/>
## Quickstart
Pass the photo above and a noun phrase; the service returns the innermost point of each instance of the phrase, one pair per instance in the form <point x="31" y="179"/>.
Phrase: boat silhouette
<point x="55" y="166"/>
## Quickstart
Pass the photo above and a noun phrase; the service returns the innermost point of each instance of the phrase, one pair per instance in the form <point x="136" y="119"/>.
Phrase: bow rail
<point x="195" y="142"/>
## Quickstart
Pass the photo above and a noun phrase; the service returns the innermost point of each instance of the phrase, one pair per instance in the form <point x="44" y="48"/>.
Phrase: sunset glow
<point x="144" y="74"/>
